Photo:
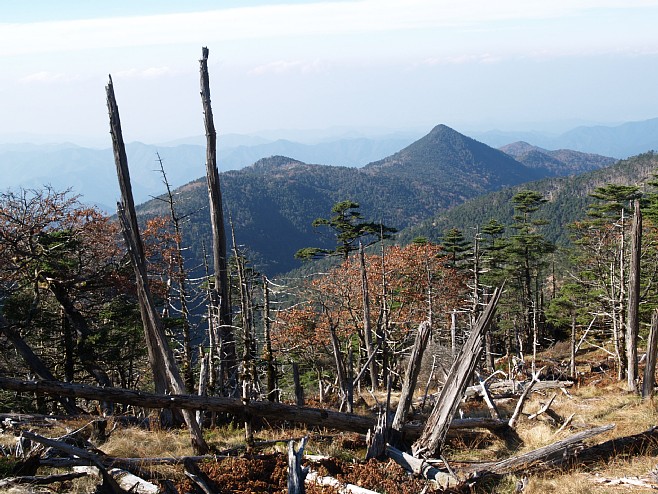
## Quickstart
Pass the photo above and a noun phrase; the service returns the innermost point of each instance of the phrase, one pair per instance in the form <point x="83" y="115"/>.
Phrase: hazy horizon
<point x="472" y="65"/>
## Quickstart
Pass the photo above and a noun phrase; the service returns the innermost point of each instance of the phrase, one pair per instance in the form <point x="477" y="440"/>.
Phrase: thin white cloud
<point x="287" y="20"/>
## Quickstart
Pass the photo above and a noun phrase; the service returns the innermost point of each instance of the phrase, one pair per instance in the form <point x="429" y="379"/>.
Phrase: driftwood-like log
<point x="507" y="388"/>
<point x="109" y="484"/>
<point x="342" y="488"/>
<point x="520" y="404"/>
<point x="422" y="468"/>
<point x="40" y="479"/>
<point x="553" y="455"/>
<point x="199" y="478"/>
<point x="438" y="422"/>
<point x="275" y="412"/>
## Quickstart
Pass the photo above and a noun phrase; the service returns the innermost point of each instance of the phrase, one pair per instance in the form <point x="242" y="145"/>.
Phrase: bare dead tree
<point x="220" y="289"/>
<point x="633" y="321"/>
<point x="163" y="364"/>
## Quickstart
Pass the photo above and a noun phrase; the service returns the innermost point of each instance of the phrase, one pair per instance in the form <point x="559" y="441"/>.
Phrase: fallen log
<point x="507" y="388"/>
<point x="553" y="455"/>
<point x="422" y="468"/>
<point x="40" y="479"/>
<point x="342" y="488"/>
<point x="108" y="481"/>
<point x="275" y="412"/>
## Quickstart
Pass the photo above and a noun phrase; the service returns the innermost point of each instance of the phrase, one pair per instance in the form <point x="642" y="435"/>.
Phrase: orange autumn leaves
<point x="415" y="280"/>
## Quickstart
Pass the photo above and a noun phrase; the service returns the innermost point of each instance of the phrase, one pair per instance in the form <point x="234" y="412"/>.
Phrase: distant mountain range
<point x="619" y="141"/>
<point x="273" y="202"/>
<point x="90" y="171"/>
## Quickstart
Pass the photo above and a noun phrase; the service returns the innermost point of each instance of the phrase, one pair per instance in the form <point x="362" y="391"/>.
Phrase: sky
<point x="355" y="64"/>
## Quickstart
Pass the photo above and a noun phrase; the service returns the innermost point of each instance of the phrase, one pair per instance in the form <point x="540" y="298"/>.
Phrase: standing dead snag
<point x="161" y="358"/>
<point x="296" y="474"/>
<point x="411" y="376"/>
<point x="220" y="292"/>
<point x="436" y="428"/>
<point x="650" y="367"/>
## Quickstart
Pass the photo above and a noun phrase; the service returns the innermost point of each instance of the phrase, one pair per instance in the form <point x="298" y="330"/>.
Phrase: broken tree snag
<point x="220" y="291"/>
<point x="421" y="468"/>
<point x="163" y="364"/>
<point x="650" y="367"/>
<point x="200" y="479"/>
<point x="633" y="320"/>
<point x="461" y="371"/>
<point x="521" y="403"/>
<point x="484" y="389"/>
<point x="411" y="376"/>
<point x="296" y="474"/>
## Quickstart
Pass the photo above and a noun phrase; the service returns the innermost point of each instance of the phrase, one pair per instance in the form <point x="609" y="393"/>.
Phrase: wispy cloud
<point x="289" y="20"/>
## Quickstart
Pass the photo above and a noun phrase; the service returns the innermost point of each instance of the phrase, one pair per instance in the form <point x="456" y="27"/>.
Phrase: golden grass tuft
<point x="139" y="443"/>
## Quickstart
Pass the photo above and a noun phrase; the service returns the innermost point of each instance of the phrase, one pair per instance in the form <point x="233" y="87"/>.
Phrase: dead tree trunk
<point x="411" y="376"/>
<point x="220" y="290"/>
<point x="650" y="367"/>
<point x="267" y="354"/>
<point x="275" y="412"/>
<point x="438" y="422"/>
<point x="633" y="323"/>
<point x="181" y="279"/>
<point x="161" y="358"/>
<point x="367" y="327"/>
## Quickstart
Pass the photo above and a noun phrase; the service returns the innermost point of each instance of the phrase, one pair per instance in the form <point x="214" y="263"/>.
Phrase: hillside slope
<point x="273" y="202"/>
<point x="568" y="200"/>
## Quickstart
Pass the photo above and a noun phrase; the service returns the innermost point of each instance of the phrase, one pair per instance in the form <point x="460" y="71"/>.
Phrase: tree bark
<point x="161" y="358"/>
<point x="367" y="326"/>
<point x="275" y="412"/>
<point x="438" y="422"/>
<point x="650" y="367"/>
<point x="633" y="323"/>
<point x="411" y="376"/>
<point x="220" y="259"/>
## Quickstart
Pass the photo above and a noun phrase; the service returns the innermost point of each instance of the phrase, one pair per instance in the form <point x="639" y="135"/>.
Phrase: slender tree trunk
<point x="268" y="356"/>
<point x="367" y="327"/>
<point x="650" y="366"/>
<point x="411" y="376"/>
<point x="162" y="360"/>
<point x="572" y="358"/>
<point x="181" y="280"/>
<point x="633" y="325"/>
<point x="220" y="262"/>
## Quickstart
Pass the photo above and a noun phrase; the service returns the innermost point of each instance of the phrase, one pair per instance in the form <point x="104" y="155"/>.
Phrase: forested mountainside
<point x="568" y="200"/>
<point x="273" y="202"/>
<point x="560" y="162"/>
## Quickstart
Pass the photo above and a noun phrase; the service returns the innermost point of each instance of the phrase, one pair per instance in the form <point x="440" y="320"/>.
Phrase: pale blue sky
<point x="395" y="64"/>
